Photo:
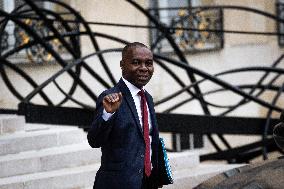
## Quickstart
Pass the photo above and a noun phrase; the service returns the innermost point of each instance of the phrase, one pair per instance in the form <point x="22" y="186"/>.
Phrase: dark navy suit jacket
<point x="122" y="143"/>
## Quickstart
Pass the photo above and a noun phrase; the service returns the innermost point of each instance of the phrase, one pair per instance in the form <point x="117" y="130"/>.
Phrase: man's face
<point x="137" y="66"/>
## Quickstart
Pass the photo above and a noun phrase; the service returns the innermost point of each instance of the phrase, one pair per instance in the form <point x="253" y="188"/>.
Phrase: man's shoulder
<point x="148" y="94"/>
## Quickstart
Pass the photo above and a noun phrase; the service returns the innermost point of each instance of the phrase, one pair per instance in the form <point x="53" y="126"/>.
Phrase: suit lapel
<point x="129" y="100"/>
<point x="155" y="135"/>
<point x="152" y="111"/>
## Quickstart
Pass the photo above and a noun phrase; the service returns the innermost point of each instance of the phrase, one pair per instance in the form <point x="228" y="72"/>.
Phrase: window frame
<point x="280" y="26"/>
<point x="218" y="45"/>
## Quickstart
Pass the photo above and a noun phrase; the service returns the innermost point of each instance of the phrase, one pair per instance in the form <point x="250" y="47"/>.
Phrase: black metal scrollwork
<point x="198" y="38"/>
<point x="49" y="36"/>
<point x="192" y="41"/>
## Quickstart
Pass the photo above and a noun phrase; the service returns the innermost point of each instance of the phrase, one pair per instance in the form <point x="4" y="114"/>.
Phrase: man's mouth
<point x="143" y="77"/>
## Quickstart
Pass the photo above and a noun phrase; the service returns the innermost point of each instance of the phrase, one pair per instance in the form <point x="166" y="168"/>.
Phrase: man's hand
<point x="111" y="102"/>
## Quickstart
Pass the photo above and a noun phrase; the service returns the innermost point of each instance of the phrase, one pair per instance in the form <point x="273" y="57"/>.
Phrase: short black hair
<point x="130" y="46"/>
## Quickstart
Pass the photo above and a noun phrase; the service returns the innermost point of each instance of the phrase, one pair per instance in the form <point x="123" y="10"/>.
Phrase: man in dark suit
<point x="125" y="126"/>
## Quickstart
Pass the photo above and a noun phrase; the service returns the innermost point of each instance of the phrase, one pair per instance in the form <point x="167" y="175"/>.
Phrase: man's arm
<point x="103" y="122"/>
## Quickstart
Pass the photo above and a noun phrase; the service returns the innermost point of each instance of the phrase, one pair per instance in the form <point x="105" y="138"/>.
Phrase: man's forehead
<point x="137" y="51"/>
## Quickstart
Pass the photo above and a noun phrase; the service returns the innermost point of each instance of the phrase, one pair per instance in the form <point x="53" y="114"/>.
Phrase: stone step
<point x="189" y="178"/>
<point x="29" y="127"/>
<point x="183" y="160"/>
<point x="83" y="177"/>
<point x="90" y="187"/>
<point x="68" y="178"/>
<point x="39" y="139"/>
<point x="48" y="159"/>
<point x="73" y="155"/>
<point x="11" y="124"/>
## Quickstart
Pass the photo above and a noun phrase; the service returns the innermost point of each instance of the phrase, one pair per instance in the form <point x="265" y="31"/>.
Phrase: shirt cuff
<point x="106" y="116"/>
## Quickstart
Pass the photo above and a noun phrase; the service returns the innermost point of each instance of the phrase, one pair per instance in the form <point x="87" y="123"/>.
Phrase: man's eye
<point x="135" y="62"/>
<point x="149" y="63"/>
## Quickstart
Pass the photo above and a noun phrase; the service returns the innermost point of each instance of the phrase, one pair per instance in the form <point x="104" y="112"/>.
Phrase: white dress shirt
<point x="137" y="100"/>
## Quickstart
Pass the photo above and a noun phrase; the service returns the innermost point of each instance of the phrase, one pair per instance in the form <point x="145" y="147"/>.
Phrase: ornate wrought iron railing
<point x="52" y="111"/>
<point x="280" y="25"/>
<point x="189" y="41"/>
<point x="14" y="36"/>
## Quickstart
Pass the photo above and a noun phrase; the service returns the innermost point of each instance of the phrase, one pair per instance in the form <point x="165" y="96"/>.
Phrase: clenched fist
<point x="111" y="102"/>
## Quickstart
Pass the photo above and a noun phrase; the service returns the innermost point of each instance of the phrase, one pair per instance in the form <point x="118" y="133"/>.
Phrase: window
<point x="14" y="36"/>
<point x="182" y="14"/>
<point x="10" y="37"/>
<point x="280" y="25"/>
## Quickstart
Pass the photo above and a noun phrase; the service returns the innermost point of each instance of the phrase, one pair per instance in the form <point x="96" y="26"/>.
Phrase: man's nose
<point x="143" y="67"/>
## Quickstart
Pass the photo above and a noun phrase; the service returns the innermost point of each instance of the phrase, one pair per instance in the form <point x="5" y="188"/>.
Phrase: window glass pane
<point x="15" y="36"/>
<point x="185" y="22"/>
<point x="1" y="5"/>
<point x="18" y="3"/>
<point x="280" y="25"/>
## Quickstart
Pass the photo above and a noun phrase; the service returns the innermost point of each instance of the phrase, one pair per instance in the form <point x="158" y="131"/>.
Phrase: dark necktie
<point x="144" y="111"/>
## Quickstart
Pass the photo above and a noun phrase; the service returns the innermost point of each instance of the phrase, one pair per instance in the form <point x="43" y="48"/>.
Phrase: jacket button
<point x="142" y="155"/>
<point x="140" y="171"/>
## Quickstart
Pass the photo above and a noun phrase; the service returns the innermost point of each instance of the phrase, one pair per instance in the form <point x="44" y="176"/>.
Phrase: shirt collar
<point x="132" y="88"/>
